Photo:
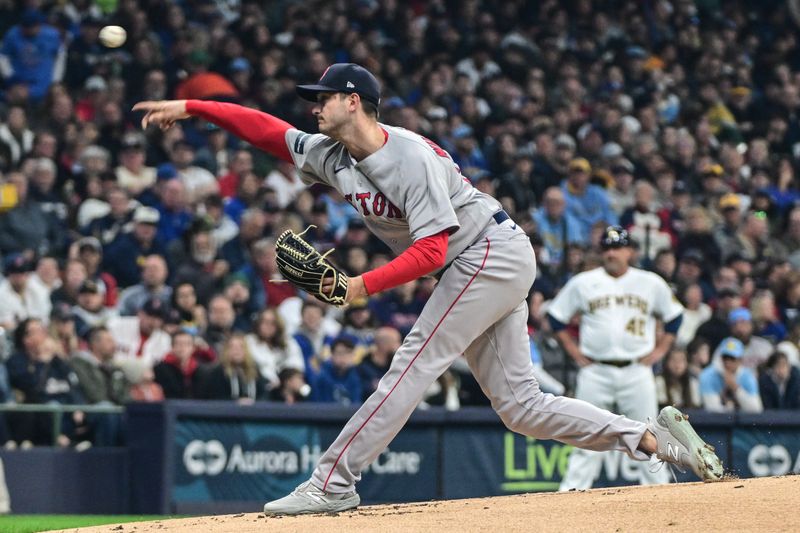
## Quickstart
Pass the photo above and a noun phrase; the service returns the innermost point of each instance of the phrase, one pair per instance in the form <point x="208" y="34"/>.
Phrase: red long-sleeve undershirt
<point x="421" y="258"/>
<point x="269" y="134"/>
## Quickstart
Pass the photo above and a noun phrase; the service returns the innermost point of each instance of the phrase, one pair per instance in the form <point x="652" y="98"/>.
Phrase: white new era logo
<point x="350" y="85"/>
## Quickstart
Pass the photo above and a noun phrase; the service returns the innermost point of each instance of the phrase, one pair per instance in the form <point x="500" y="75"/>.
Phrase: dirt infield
<point x="765" y="504"/>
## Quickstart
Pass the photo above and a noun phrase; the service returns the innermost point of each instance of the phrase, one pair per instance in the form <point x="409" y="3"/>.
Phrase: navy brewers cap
<point x="344" y="78"/>
<point x="615" y="237"/>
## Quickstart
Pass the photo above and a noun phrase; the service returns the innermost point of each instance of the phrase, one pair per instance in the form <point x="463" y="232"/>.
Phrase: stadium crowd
<point x="139" y="265"/>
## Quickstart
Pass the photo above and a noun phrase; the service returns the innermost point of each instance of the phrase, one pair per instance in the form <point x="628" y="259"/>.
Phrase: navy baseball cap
<point x="615" y="237"/>
<point x="344" y="78"/>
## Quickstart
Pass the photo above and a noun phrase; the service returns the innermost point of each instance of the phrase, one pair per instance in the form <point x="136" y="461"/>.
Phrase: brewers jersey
<point x="618" y="315"/>
<point x="400" y="203"/>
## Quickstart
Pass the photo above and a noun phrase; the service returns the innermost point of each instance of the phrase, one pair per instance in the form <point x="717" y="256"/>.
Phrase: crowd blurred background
<point x="139" y="265"/>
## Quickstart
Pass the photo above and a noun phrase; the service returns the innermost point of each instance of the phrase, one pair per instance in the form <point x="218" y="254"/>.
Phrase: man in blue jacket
<point x="338" y="380"/>
<point x="32" y="54"/>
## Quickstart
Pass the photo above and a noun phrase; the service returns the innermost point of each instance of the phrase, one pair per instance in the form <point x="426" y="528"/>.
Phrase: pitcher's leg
<point x="637" y="399"/>
<point x="594" y="385"/>
<point x="500" y="360"/>
<point x="458" y="310"/>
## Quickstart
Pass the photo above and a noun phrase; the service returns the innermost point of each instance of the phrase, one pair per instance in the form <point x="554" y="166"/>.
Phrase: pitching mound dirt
<point x="765" y="504"/>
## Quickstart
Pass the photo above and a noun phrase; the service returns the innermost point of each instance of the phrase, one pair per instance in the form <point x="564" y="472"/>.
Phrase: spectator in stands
<point x="121" y="210"/>
<point x="359" y="326"/>
<point x="696" y="312"/>
<point x="699" y="354"/>
<point x="124" y="255"/>
<point x="15" y="135"/>
<point x="779" y="383"/>
<point x="171" y="200"/>
<point x="221" y="318"/>
<point x="140" y="376"/>
<point x="756" y="349"/>
<point x="20" y="298"/>
<point x="102" y="383"/>
<point x="225" y="228"/>
<point x="217" y="154"/>
<point x="286" y="183"/>
<point x="47" y="274"/>
<point x="586" y="202"/>
<point x="27" y="228"/>
<point x="237" y="290"/>
<point x="725" y="385"/>
<point x="676" y="385"/>
<point x="312" y="338"/>
<point x="41" y="173"/>
<point x="153" y="285"/>
<point x="753" y="240"/>
<point x="241" y="164"/>
<point x="271" y="348"/>
<point x="74" y="276"/>
<point x="717" y="327"/>
<point x="621" y="195"/>
<point x="697" y="236"/>
<point x="33" y="54"/>
<point x="178" y="373"/>
<point x="292" y="388"/>
<point x="236" y="251"/>
<point x="643" y="222"/>
<point x="235" y="376"/>
<point x="184" y="301"/>
<point x="198" y="182"/>
<point x="557" y="227"/>
<point x="791" y="345"/>
<point x="376" y="363"/>
<point x="338" y="380"/>
<point x="38" y="374"/>
<point x="261" y="271"/>
<point x="133" y="174"/>
<point x="198" y="261"/>
<point x="90" y="253"/>
<point x="90" y="311"/>
<point x="142" y="336"/>
<point x="62" y="329"/>
<point x="765" y="317"/>
<point x="399" y="308"/>
<point x="725" y="232"/>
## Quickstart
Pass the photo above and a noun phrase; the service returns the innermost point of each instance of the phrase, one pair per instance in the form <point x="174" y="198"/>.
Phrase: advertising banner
<point x="231" y="460"/>
<point x="766" y="451"/>
<point x="492" y="462"/>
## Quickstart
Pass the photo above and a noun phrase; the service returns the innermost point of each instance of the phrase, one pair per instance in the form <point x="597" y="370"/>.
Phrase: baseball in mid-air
<point x="113" y="36"/>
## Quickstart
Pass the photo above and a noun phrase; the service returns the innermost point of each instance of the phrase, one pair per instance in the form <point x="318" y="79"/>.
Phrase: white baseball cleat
<point x="679" y="444"/>
<point x="307" y="498"/>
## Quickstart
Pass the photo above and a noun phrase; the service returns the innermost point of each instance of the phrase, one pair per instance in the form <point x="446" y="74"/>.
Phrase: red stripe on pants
<point x="488" y="245"/>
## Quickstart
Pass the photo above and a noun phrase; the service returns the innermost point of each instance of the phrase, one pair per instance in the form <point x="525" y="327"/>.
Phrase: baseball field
<point x="763" y="504"/>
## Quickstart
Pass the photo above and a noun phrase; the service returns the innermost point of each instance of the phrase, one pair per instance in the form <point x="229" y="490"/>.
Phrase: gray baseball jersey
<point x="408" y="189"/>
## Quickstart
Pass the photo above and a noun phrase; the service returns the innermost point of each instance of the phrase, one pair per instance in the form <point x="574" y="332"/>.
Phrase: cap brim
<point x="310" y="92"/>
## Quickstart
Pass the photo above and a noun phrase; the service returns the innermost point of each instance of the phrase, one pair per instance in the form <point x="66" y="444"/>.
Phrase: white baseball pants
<point x="632" y="391"/>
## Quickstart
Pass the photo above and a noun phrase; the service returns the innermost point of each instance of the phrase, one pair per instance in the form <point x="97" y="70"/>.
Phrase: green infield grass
<point x="30" y="523"/>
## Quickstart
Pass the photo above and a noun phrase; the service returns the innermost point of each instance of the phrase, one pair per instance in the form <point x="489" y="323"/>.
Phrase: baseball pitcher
<point x="413" y="197"/>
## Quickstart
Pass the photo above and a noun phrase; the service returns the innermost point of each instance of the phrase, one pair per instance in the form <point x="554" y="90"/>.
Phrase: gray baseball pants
<point x="478" y="309"/>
